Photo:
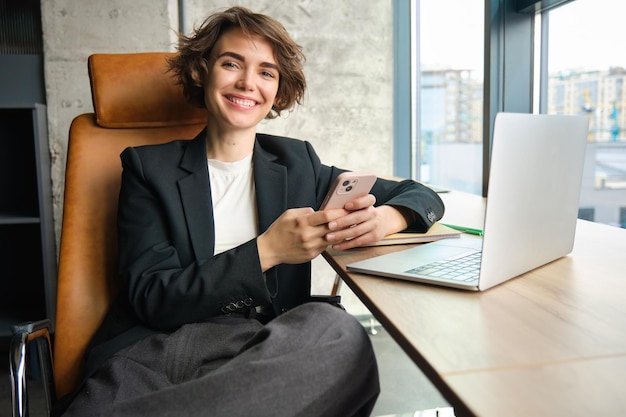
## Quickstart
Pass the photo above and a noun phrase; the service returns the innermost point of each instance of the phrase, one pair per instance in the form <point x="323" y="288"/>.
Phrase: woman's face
<point x="242" y="82"/>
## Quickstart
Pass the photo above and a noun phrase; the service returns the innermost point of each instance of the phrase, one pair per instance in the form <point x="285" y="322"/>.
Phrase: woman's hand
<point x="301" y="234"/>
<point x="364" y="224"/>
<point x="297" y="236"/>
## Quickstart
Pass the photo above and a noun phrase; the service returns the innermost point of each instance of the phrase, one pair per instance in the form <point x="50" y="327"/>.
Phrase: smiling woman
<point x="216" y="237"/>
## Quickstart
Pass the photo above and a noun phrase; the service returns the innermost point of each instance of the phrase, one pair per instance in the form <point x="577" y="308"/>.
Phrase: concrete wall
<point x="347" y="113"/>
<point x="74" y="29"/>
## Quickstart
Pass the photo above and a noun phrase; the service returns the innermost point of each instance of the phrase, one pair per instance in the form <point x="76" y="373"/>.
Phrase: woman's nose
<point x="245" y="82"/>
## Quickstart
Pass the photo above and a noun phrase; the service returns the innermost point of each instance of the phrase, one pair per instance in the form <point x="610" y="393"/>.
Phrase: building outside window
<point x="450" y="38"/>
<point x="587" y="76"/>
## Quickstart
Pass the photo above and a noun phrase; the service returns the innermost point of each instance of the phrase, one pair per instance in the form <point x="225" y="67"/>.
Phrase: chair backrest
<point x="136" y="102"/>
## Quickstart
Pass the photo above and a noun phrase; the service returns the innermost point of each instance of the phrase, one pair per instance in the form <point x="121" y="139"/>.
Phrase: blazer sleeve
<point x="167" y="286"/>
<point x="425" y="204"/>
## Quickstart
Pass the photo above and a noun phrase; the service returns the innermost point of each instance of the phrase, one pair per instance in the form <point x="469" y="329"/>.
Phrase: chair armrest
<point x="22" y="357"/>
<point x="334" y="300"/>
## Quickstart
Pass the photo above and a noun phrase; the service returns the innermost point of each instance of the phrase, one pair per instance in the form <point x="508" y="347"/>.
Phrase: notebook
<point x="436" y="232"/>
<point x="530" y="215"/>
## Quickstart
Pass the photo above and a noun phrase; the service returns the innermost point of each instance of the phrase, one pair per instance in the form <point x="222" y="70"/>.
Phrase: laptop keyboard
<point x="465" y="268"/>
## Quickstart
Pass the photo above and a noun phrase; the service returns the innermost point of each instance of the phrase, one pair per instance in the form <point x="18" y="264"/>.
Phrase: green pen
<point x="464" y="229"/>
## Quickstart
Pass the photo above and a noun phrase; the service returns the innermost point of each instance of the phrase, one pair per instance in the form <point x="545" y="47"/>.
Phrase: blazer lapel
<point x="270" y="180"/>
<point x="195" y="194"/>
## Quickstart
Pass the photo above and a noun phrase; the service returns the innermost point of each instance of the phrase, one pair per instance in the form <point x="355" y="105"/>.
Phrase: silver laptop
<point x="530" y="216"/>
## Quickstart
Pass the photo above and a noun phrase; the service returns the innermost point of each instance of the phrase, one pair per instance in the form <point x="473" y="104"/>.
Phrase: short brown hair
<point x="191" y="63"/>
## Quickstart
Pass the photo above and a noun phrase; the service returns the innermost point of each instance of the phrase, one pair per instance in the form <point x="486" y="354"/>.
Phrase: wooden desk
<point x="549" y="343"/>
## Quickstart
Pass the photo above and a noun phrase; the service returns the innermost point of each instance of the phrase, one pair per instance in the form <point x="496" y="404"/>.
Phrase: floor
<point x="405" y="391"/>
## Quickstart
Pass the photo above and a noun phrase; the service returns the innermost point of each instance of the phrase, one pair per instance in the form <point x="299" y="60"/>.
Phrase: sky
<point x="583" y="34"/>
<point x="455" y="41"/>
<point x="588" y="34"/>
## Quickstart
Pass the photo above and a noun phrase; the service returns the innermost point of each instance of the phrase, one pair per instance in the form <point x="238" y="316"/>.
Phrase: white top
<point x="234" y="202"/>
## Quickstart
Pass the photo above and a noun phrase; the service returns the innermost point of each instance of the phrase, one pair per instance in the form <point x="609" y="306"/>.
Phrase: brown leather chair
<point x="136" y="102"/>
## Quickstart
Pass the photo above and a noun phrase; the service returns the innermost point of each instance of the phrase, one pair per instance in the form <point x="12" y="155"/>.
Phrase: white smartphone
<point x="348" y="186"/>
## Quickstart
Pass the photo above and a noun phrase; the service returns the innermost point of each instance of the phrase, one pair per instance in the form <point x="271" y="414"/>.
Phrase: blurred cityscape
<point x="451" y="133"/>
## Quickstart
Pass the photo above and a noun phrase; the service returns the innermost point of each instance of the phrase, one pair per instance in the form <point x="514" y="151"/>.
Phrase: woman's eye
<point x="230" y="65"/>
<point x="268" y="74"/>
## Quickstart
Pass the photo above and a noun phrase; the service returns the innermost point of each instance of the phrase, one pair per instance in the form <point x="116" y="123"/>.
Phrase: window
<point x="586" y="213"/>
<point x="580" y="70"/>
<point x="448" y="140"/>
<point x="587" y="76"/>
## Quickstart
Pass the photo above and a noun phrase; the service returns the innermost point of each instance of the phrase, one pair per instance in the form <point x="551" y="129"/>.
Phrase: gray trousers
<point x="315" y="360"/>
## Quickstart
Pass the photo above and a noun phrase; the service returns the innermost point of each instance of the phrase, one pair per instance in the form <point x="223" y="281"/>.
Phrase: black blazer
<point x="166" y="235"/>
